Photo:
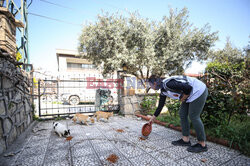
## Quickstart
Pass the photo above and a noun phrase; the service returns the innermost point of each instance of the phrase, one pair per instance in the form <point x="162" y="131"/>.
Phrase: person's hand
<point x="152" y="119"/>
<point x="184" y="97"/>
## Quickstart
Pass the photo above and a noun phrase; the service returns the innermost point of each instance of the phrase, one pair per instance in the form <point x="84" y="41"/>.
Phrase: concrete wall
<point x="16" y="112"/>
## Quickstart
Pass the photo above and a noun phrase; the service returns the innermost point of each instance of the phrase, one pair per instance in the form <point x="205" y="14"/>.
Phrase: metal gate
<point x="65" y="97"/>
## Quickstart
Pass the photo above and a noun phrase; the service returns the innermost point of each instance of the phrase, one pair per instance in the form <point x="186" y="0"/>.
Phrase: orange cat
<point x="82" y="118"/>
<point x="101" y="114"/>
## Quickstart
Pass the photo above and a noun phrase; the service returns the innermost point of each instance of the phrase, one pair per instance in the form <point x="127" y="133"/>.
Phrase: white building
<point x="74" y="73"/>
<point x="73" y="67"/>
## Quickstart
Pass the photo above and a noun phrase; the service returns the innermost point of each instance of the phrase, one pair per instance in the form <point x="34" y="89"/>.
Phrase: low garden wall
<point x="131" y="105"/>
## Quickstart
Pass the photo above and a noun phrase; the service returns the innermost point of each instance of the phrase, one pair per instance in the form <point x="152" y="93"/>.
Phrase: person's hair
<point x="153" y="78"/>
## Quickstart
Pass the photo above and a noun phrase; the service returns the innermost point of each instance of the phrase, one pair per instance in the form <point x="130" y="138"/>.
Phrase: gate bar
<point x="39" y="98"/>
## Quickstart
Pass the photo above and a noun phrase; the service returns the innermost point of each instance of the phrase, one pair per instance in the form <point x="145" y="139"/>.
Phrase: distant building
<point x="73" y="73"/>
<point x="72" y="66"/>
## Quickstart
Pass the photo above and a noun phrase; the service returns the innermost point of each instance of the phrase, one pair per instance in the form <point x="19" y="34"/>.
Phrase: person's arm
<point x="159" y="108"/>
<point x="160" y="105"/>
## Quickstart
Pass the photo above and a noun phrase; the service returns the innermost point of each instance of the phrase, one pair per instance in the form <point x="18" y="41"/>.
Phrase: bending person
<point x="193" y="94"/>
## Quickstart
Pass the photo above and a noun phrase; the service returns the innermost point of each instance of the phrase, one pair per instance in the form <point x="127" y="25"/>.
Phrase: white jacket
<point x="198" y="87"/>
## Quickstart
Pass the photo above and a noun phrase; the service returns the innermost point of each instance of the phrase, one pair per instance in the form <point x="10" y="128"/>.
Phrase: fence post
<point x="39" y="98"/>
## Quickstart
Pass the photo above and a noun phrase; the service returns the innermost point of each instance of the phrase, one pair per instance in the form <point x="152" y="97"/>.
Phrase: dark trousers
<point x="193" y="110"/>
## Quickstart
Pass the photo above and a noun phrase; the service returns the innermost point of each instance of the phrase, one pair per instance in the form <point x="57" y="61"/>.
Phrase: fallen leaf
<point x="112" y="158"/>
<point x="203" y="160"/>
<point x="120" y="130"/>
<point x="69" y="138"/>
<point x="142" y="138"/>
<point x="11" y="153"/>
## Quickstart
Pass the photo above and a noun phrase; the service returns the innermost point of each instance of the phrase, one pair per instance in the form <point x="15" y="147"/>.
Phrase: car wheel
<point x="74" y="100"/>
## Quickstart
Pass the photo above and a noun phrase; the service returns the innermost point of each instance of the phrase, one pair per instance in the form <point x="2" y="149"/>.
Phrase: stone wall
<point x="130" y="105"/>
<point x="16" y="111"/>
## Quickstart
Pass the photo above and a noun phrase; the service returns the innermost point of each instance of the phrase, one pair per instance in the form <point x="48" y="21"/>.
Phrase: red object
<point x="69" y="138"/>
<point x="146" y="129"/>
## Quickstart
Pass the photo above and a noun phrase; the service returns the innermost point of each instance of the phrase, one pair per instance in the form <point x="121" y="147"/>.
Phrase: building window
<point x="80" y="66"/>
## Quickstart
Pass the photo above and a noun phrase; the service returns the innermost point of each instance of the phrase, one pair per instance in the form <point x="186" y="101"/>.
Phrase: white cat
<point x="61" y="129"/>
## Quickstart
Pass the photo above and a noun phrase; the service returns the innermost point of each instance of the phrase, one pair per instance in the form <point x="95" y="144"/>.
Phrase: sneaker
<point x="180" y="142"/>
<point x="197" y="148"/>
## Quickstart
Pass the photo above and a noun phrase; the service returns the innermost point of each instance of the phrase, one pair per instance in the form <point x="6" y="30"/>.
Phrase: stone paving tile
<point x="210" y="144"/>
<point x="95" y="135"/>
<point x="239" y="161"/>
<point x="153" y="136"/>
<point x="130" y="128"/>
<point x="30" y="161"/>
<point x="132" y="135"/>
<point x="220" y="154"/>
<point x="99" y="140"/>
<point x="57" y="156"/>
<point x="104" y="155"/>
<point x="184" y="162"/>
<point x="145" y="160"/>
<point x="81" y="149"/>
<point x="119" y="163"/>
<point x="91" y="145"/>
<point x="128" y="149"/>
<point x="32" y="151"/>
<point x="217" y="155"/>
<point x="162" y="143"/>
<point x="197" y="160"/>
<point x="88" y="160"/>
<point x="88" y="129"/>
<point x="37" y="140"/>
<point x="137" y="138"/>
<point x="103" y="146"/>
<point x="165" y="132"/>
<point x="78" y="137"/>
<point x="148" y="146"/>
<point x="177" y="152"/>
<point x="164" y="157"/>
<point x="58" y="151"/>
<point x="114" y="136"/>
<point x="171" y="136"/>
<point x="57" y="163"/>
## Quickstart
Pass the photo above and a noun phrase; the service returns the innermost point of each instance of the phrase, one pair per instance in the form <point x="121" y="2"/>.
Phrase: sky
<point x="64" y="20"/>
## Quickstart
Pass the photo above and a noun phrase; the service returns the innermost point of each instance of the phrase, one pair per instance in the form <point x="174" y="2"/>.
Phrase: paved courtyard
<point x="116" y="142"/>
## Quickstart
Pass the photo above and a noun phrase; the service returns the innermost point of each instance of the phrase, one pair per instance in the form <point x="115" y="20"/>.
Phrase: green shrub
<point x="228" y="92"/>
<point x="215" y="111"/>
<point x="148" y="104"/>
<point x="35" y="117"/>
<point x="173" y="106"/>
<point x="58" y="118"/>
<point x="235" y="132"/>
<point x="175" y="120"/>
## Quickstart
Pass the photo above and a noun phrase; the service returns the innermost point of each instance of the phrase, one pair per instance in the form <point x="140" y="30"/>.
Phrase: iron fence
<point x="64" y="97"/>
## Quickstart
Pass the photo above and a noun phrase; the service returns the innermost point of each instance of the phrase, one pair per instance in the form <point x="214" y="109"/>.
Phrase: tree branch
<point x="222" y="78"/>
<point x="142" y="76"/>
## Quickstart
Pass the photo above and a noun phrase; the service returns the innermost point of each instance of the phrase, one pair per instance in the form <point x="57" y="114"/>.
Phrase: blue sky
<point x="231" y="18"/>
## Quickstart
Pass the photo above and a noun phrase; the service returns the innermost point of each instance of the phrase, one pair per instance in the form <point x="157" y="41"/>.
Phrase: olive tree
<point x="145" y="47"/>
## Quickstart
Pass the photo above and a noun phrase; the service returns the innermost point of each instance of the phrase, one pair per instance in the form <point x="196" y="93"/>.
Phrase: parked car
<point x="74" y="98"/>
<point x="89" y="96"/>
